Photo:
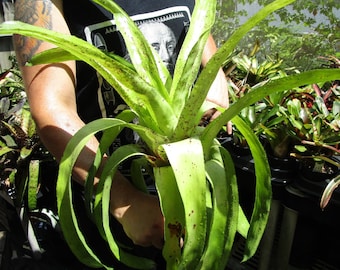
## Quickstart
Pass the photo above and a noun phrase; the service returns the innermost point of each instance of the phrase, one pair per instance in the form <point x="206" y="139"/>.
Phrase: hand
<point x="140" y="216"/>
<point x="208" y="116"/>
<point x="218" y="94"/>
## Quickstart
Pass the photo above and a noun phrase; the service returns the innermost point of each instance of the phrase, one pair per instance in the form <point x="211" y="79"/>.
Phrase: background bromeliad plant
<point x="265" y="117"/>
<point x="315" y="115"/>
<point x="20" y="149"/>
<point x="183" y="157"/>
<point x="303" y="121"/>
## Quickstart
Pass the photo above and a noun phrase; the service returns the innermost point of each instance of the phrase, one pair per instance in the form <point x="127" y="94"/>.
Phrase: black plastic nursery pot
<point x="313" y="182"/>
<point x="314" y="230"/>
<point x="283" y="170"/>
<point x="302" y="234"/>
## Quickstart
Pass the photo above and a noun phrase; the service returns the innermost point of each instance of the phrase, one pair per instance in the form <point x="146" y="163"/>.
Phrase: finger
<point x="158" y="243"/>
<point x="229" y="124"/>
<point x="229" y="128"/>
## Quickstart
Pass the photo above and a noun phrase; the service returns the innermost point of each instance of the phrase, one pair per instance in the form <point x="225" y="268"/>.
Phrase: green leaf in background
<point x="4" y="150"/>
<point x="272" y="86"/>
<point x="33" y="182"/>
<point x="327" y="194"/>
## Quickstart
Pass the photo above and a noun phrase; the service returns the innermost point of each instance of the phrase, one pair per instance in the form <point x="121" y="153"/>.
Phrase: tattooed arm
<point x="50" y="88"/>
<point x="51" y="93"/>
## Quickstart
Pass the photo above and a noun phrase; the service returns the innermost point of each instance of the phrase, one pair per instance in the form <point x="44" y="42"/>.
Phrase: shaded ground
<point x="15" y="251"/>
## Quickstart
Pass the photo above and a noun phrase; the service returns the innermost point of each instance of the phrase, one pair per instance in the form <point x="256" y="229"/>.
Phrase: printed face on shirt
<point x="163" y="40"/>
<point x="164" y="30"/>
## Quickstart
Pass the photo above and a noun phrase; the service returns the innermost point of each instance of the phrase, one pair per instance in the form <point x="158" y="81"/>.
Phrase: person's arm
<point x="218" y="93"/>
<point x="51" y="94"/>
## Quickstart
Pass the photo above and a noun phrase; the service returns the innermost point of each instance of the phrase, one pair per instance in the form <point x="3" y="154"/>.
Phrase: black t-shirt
<point x="87" y="20"/>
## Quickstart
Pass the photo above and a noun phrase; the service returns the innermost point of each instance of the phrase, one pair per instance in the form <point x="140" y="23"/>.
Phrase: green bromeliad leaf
<point x="106" y="140"/>
<point x="56" y="55"/>
<point x="189" y="59"/>
<point x="187" y="162"/>
<point x="147" y="62"/>
<point x="174" y="228"/>
<point x="224" y="213"/>
<point x="263" y="189"/>
<point x="102" y="207"/>
<point x="273" y="86"/>
<point x="68" y="221"/>
<point x="208" y="74"/>
<point x="139" y="95"/>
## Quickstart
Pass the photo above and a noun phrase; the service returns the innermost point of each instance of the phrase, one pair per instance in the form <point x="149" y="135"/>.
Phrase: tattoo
<point x="34" y="12"/>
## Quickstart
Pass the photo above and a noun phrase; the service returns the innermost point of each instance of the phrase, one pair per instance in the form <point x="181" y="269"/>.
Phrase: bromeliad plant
<point x="314" y="112"/>
<point x="266" y="117"/>
<point x="184" y="157"/>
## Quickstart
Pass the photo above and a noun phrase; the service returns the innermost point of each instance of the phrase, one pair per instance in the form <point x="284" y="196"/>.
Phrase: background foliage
<point x="298" y="34"/>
